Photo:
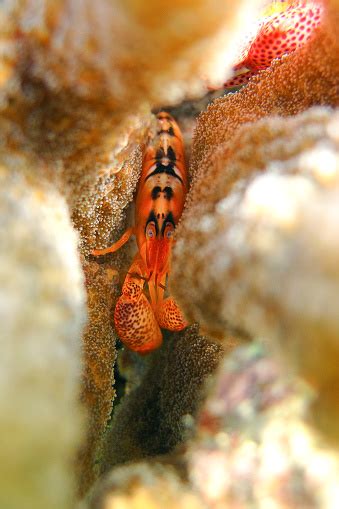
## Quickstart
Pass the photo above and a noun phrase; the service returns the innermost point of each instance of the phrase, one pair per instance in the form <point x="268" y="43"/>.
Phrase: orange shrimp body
<point x="283" y="27"/>
<point x="159" y="204"/>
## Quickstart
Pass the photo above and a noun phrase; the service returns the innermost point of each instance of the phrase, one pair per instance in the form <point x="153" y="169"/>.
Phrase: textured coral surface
<point x="42" y="314"/>
<point x="262" y="212"/>
<point x="128" y="51"/>
<point x="150" y="421"/>
<point x="76" y="80"/>
<point x="272" y="269"/>
<point x="253" y="447"/>
<point x="256" y="254"/>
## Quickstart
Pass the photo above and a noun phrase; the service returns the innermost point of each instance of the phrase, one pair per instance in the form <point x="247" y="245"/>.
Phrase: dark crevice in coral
<point x="152" y="419"/>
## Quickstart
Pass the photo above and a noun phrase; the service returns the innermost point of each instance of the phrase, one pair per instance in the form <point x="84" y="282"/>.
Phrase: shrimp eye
<point x="150" y="231"/>
<point x="169" y="231"/>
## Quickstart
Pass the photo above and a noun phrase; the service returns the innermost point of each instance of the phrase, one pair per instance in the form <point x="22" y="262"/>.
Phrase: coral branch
<point x="265" y="243"/>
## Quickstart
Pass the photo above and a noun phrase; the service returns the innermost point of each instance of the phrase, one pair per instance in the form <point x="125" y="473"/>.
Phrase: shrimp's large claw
<point x="134" y="318"/>
<point x="136" y="324"/>
<point x="169" y="315"/>
<point x="137" y="321"/>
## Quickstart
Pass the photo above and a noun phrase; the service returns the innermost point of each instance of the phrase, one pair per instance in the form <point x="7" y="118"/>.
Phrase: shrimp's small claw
<point x="169" y="315"/>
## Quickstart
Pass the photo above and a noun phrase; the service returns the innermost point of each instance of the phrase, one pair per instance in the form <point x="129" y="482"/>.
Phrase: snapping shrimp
<point x="159" y="204"/>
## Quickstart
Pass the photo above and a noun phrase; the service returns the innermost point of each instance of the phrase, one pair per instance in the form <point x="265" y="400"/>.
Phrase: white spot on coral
<point x="276" y="198"/>
<point x="322" y="162"/>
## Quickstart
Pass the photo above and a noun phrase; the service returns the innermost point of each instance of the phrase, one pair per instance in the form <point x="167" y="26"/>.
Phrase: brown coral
<point x="75" y="90"/>
<point x="149" y="421"/>
<point x="257" y="232"/>
<point x="257" y="229"/>
<point x="76" y="82"/>
<point x="98" y="182"/>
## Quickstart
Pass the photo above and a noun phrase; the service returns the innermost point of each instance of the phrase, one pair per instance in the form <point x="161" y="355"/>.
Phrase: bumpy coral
<point x="143" y="485"/>
<point x="42" y="314"/>
<point x="76" y="82"/>
<point x="91" y="154"/>
<point x="129" y="51"/>
<point x="291" y="85"/>
<point x="96" y="167"/>
<point x="99" y="356"/>
<point x="253" y="448"/>
<point x="268" y="230"/>
<point x="257" y="232"/>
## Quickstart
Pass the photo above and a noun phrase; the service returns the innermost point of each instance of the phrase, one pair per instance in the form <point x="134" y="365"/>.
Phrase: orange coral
<point x="237" y="222"/>
<point x="76" y="82"/>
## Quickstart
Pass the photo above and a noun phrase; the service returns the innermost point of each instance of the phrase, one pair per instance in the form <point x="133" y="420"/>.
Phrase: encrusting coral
<point x="149" y="421"/>
<point x="42" y="314"/>
<point x="99" y="358"/>
<point x="268" y="230"/>
<point x="129" y="52"/>
<point x="261" y="211"/>
<point x="58" y="133"/>
<point x="251" y="447"/>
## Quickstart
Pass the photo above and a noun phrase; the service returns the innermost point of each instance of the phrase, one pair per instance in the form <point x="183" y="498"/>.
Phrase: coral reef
<point x="252" y="448"/>
<point x="149" y="421"/>
<point x="255" y="256"/>
<point x="97" y="181"/>
<point x="271" y="267"/>
<point x="77" y="81"/>
<point x="127" y="52"/>
<point x="269" y="275"/>
<point x="42" y="314"/>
